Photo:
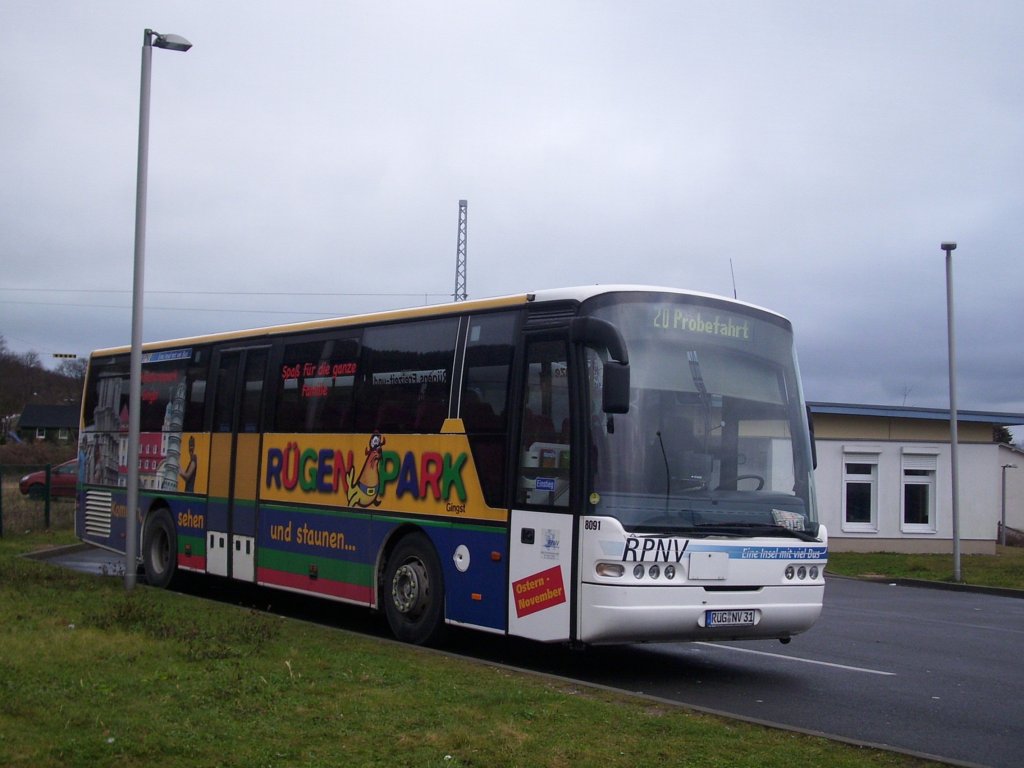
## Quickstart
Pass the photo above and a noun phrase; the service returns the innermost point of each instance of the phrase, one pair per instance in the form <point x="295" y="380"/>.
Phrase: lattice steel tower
<point x="460" y="255"/>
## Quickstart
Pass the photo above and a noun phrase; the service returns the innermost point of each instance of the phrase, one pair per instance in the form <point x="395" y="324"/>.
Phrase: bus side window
<point x="195" y="378"/>
<point x="406" y="376"/>
<point x="224" y="399"/>
<point x="252" y="393"/>
<point x="164" y="393"/>
<point x="544" y="456"/>
<point x="483" y="408"/>
<point x="106" y="413"/>
<point x="315" y="385"/>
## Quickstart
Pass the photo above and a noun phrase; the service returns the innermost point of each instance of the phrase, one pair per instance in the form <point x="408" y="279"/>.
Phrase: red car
<point x="63" y="479"/>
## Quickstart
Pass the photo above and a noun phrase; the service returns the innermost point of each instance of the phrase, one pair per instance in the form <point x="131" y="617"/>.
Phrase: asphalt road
<point x="926" y="671"/>
<point x="931" y="672"/>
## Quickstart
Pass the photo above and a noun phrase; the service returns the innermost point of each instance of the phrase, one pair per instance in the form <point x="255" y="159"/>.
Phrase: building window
<point x="918" y="507"/>
<point x="860" y="493"/>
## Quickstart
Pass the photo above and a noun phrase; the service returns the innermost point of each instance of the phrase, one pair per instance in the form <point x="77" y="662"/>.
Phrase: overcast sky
<point x="307" y="159"/>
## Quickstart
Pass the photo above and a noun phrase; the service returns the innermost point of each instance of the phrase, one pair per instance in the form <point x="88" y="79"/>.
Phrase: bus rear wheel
<point x="160" y="549"/>
<point x="413" y="591"/>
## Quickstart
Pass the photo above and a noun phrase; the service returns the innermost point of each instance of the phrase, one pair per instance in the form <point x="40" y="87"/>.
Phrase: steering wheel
<point x="760" y="480"/>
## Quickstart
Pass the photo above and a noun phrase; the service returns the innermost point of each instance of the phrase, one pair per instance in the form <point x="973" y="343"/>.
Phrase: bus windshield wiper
<point x="732" y="529"/>
<point x="684" y="531"/>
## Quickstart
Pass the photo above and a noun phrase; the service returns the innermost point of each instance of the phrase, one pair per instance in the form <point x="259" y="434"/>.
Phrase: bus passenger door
<point x="541" y="577"/>
<point x="235" y="463"/>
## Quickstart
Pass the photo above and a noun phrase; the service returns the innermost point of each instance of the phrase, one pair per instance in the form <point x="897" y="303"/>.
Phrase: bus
<point x="588" y="466"/>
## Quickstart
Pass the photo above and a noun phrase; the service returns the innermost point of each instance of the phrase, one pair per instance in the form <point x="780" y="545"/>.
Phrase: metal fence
<point x="37" y="501"/>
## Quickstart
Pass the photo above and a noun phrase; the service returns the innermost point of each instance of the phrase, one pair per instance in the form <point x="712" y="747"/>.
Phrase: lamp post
<point x="170" y="43"/>
<point x="949" y="247"/>
<point x="1002" y="528"/>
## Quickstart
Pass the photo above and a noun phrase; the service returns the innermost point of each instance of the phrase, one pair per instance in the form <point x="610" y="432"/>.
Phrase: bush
<point x="36" y="453"/>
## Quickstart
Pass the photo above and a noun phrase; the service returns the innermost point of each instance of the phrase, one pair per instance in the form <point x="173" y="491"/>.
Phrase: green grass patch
<point x="21" y="514"/>
<point x="93" y="676"/>
<point x="1003" y="569"/>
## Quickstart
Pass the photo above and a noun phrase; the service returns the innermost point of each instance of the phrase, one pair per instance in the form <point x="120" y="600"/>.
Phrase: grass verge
<point x="19" y="513"/>
<point x="93" y="676"/>
<point x="1004" y="569"/>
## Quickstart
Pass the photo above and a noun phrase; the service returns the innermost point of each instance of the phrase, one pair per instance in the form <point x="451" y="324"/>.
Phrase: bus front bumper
<point x="631" y="614"/>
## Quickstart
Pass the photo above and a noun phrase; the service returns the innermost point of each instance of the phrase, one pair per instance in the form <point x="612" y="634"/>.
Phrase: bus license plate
<point x="736" y="618"/>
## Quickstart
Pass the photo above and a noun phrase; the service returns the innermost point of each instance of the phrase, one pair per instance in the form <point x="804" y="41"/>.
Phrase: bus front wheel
<point x="160" y="549"/>
<point x="413" y="591"/>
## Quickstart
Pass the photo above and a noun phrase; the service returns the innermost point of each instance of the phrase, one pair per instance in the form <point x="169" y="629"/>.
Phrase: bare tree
<point x="73" y="369"/>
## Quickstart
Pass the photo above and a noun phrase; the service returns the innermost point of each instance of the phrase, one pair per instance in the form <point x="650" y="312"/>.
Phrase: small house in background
<point x="52" y="423"/>
<point x="884" y="478"/>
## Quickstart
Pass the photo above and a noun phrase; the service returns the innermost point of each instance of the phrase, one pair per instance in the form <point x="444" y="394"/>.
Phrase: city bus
<point x="587" y="466"/>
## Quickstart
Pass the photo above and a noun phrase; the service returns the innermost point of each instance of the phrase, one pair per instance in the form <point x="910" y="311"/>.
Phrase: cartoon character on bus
<point x="365" y="491"/>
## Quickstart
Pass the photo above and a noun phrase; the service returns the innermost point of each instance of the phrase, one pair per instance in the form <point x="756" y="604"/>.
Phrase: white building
<point x="884" y="481"/>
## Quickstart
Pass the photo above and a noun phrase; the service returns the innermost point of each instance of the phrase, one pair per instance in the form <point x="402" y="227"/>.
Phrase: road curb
<point x="67" y="549"/>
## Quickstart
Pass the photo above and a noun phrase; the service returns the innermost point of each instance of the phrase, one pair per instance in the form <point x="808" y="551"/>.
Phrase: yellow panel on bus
<point x="247" y="456"/>
<point x="220" y="464"/>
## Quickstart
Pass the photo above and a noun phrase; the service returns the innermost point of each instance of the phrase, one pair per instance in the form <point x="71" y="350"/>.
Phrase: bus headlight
<point x="638" y="571"/>
<point x="670" y="571"/>
<point x="610" y="570"/>
<point x="654" y="572"/>
<point x="802" y="572"/>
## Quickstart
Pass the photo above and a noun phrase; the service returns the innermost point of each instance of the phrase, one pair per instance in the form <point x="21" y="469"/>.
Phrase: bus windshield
<point x="716" y="440"/>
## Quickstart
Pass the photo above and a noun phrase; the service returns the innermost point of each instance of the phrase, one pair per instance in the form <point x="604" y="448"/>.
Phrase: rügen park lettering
<point x="422" y="475"/>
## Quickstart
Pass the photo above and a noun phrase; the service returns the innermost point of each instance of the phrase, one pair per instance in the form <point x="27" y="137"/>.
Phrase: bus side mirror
<point x="603" y="335"/>
<point x="814" y="447"/>
<point x="615" y="389"/>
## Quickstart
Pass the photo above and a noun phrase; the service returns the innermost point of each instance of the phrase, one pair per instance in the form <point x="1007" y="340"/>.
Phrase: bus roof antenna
<point x="733" y="272"/>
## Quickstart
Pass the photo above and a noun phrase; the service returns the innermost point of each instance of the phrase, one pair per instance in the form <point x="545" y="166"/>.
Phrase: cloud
<point x="819" y="153"/>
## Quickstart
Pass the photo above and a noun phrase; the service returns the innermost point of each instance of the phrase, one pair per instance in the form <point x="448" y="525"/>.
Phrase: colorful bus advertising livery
<point x="594" y="465"/>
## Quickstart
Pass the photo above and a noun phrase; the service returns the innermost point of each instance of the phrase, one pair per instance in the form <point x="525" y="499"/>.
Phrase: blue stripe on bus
<point x="760" y="552"/>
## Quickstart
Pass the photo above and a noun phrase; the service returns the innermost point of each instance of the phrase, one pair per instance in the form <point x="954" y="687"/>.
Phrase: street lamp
<point x="949" y="247"/>
<point x="170" y="43"/>
<point x="1002" y="528"/>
